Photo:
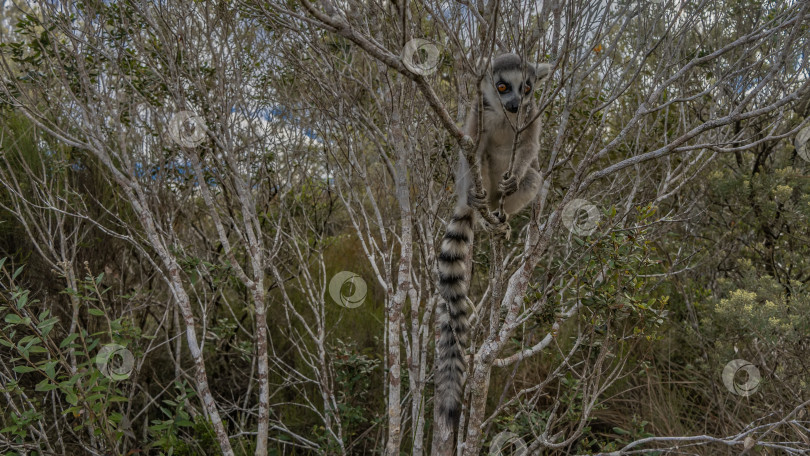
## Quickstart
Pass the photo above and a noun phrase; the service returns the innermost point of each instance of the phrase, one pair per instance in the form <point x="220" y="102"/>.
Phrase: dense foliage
<point x="165" y="296"/>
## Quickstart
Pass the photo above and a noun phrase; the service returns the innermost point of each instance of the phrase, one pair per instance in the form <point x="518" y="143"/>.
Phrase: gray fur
<point x="502" y="115"/>
<point x="498" y="124"/>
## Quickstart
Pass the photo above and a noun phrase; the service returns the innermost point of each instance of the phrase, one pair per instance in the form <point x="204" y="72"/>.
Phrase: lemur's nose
<point x="512" y="107"/>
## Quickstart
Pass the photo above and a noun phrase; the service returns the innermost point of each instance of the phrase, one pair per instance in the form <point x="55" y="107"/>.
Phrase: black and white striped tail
<point x="454" y="260"/>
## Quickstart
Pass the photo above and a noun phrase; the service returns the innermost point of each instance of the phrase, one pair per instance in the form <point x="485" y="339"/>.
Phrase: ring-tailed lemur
<point x="507" y="89"/>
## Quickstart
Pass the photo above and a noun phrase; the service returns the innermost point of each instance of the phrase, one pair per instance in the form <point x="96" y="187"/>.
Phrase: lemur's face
<point x="512" y="82"/>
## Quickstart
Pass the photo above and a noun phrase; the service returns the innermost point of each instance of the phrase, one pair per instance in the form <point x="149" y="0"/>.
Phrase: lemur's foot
<point x="509" y="184"/>
<point x="501" y="216"/>
<point x="500" y="228"/>
<point x="477" y="200"/>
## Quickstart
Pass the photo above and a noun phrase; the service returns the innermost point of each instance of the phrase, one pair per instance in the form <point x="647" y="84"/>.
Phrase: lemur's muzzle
<point x="512" y="106"/>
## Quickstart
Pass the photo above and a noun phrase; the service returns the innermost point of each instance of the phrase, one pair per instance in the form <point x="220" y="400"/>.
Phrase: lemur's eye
<point x="527" y="88"/>
<point x="502" y="87"/>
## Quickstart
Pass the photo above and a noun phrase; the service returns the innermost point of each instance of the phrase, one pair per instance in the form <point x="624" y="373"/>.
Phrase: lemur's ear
<point x="541" y="70"/>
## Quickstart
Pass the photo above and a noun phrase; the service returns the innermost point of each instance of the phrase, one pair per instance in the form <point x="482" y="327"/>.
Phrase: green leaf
<point x="16" y="273"/>
<point x="46" y="329"/>
<point x="13" y="319"/>
<point x="47" y="323"/>
<point x="93" y="345"/>
<point x="94" y="397"/>
<point x="71" y="398"/>
<point x="50" y="368"/>
<point x="72" y="379"/>
<point x="45" y="385"/>
<point x="96" y="312"/>
<point x="67" y="340"/>
<point x="22" y="300"/>
<point x="72" y="410"/>
<point x="23" y="369"/>
<point x="29" y="342"/>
